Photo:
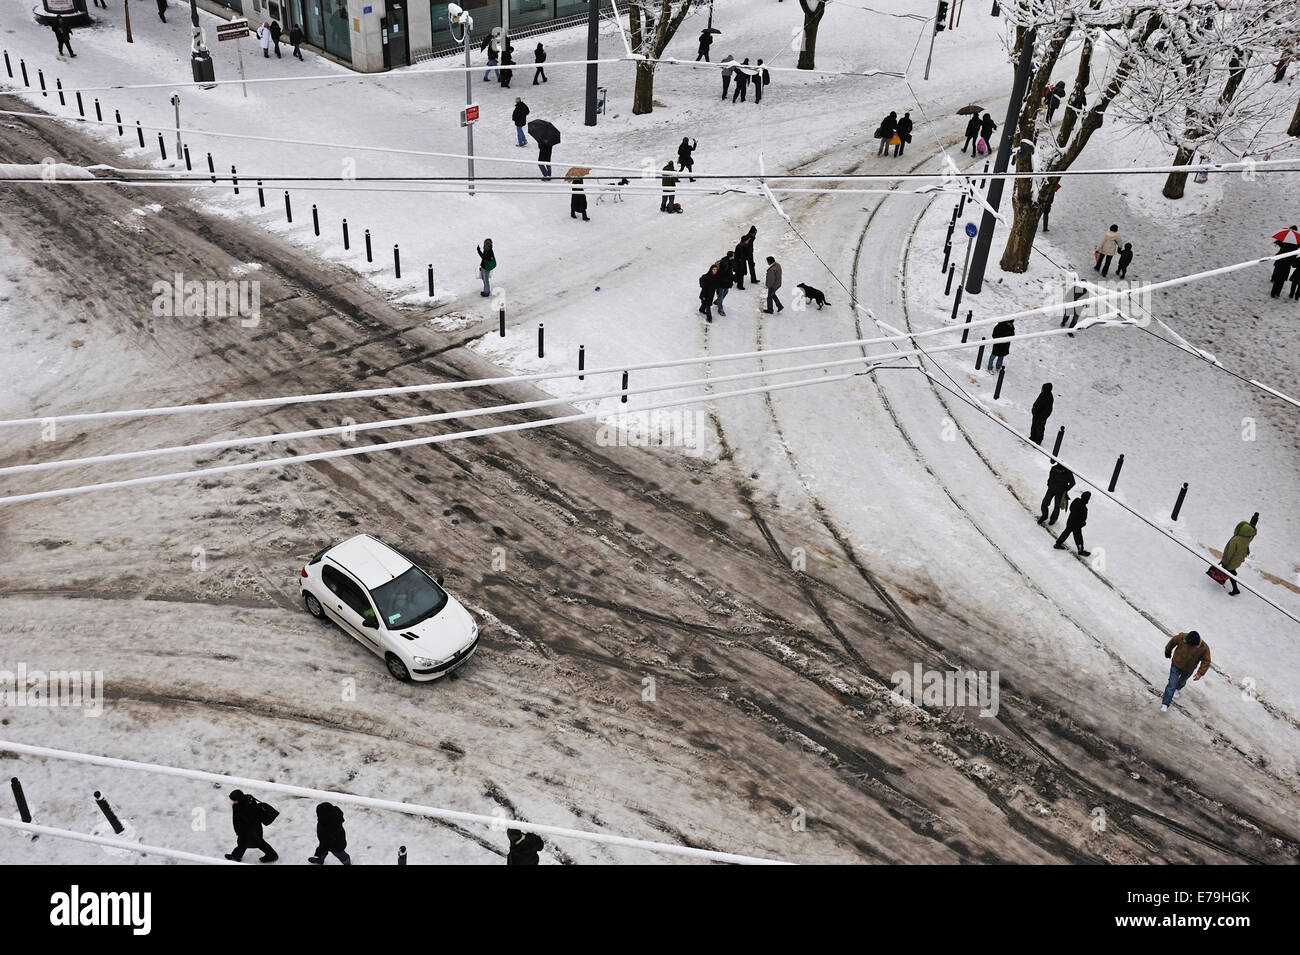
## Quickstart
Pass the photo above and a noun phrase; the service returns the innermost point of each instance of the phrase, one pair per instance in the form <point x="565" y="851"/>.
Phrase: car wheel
<point x="397" y="668"/>
<point x="313" y="606"/>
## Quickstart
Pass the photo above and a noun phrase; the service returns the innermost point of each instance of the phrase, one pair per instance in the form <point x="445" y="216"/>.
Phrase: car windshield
<point x="406" y="600"/>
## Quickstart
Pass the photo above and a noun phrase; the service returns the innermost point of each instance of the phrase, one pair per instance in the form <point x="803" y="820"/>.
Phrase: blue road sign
<point x="971" y="230"/>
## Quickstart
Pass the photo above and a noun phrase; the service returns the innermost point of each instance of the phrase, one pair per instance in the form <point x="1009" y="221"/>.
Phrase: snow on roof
<point x="369" y="560"/>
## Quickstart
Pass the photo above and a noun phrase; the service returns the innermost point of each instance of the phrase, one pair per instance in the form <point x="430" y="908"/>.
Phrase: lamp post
<point x="459" y="17"/>
<point x="593" y="52"/>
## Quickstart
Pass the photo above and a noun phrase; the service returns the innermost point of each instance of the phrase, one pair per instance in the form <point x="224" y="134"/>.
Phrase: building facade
<point x="375" y="35"/>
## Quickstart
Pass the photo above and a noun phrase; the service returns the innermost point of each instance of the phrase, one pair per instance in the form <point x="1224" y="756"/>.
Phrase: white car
<point x="391" y="606"/>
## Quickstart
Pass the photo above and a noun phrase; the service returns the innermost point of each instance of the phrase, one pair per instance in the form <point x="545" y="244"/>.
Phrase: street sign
<point x="971" y="231"/>
<point x="468" y="115"/>
<point x="233" y="30"/>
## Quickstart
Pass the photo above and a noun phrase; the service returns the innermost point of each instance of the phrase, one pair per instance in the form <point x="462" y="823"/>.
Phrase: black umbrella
<point x="968" y="110"/>
<point x="544" y="133"/>
<point x="710" y="30"/>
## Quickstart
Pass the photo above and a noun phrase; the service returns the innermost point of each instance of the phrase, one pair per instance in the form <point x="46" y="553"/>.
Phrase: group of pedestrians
<point x="270" y="34"/>
<point x="744" y="76"/>
<point x="979" y="134"/>
<point x="895" y="132"/>
<point x="501" y="59"/>
<point x="731" y="270"/>
<point x="1110" y="245"/>
<point x="1284" y="268"/>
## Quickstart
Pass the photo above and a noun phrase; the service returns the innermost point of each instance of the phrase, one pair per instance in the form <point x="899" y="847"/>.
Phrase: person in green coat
<point x="487" y="261"/>
<point x="1238" y="549"/>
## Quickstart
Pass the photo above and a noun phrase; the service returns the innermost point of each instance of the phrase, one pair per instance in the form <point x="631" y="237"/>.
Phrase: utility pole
<point x="938" y="28"/>
<point x="176" y="101"/>
<point x="126" y="11"/>
<point x="455" y="15"/>
<point x="975" y="281"/>
<point x="593" y="52"/>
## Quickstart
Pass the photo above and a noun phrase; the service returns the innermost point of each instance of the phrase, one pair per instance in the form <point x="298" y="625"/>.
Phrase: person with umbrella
<point x="669" y="183"/>
<point x="1288" y="240"/>
<point x="726" y="73"/>
<point x="706" y="41"/>
<point x="972" y="127"/>
<point x="548" y="137"/>
<point x="578" y="199"/>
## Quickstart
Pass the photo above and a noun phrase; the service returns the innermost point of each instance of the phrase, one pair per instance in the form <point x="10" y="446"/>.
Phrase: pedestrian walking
<point x="904" y="133"/>
<point x="1075" y="523"/>
<point x="727" y="72"/>
<point x="987" y="126"/>
<point x="708" y="289"/>
<point x="275" y="37"/>
<point x="1059" y="481"/>
<point x="162" y="10"/>
<point x="487" y="261"/>
<point x="62" y="33"/>
<point x="295" y="40"/>
<point x="1040" y="412"/>
<point x="330" y="835"/>
<point x="761" y="79"/>
<point x="725" y="277"/>
<point x="1047" y="206"/>
<point x="742" y="81"/>
<point x="1053" y="98"/>
<point x="520" y="118"/>
<point x="523" y="847"/>
<point x="752" y="235"/>
<point x="544" y="159"/>
<point x="1125" y="257"/>
<point x="101" y="3"/>
<point x="1236" y="551"/>
<point x="1106" y="249"/>
<point x="507" y="74"/>
<point x="706" y="41"/>
<point x="491" y="44"/>
<point x="1282" y="267"/>
<point x="972" y="133"/>
<point x="737" y="261"/>
<point x="669" y="184"/>
<point x="773" y="282"/>
<point x="885" y="132"/>
<point x="578" y="202"/>
<point x="248" y="817"/>
<point x="264" y="38"/>
<point x="1295" y="279"/>
<point x="539" y="57"/>
<point x="685" y="160"/>
<point x="1001" y="347"/>
<point x="1186" y="653"/>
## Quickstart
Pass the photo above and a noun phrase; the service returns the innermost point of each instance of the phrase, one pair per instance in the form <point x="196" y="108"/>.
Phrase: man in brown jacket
<point x="1186" y="651"/>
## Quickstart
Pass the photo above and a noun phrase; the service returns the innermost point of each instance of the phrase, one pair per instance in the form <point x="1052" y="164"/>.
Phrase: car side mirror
<point x="370" y="623"/>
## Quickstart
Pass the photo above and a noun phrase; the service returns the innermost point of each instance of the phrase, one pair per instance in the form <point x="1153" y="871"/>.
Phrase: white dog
<point x="614" y="193"/>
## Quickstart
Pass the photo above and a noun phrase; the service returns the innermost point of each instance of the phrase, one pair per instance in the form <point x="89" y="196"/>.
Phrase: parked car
<point x="391" y="606"/>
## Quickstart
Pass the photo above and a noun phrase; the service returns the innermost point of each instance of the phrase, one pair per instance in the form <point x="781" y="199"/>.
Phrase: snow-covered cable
<point x="112" y="843"/>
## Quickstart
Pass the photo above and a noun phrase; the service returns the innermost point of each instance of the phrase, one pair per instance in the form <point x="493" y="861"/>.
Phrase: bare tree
<point x="651" y="26"/>
<point x="812" y="18"/>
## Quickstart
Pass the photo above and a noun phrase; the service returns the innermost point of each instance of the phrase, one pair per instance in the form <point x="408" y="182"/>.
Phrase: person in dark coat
<point x="1047" y="207"/>
<point x="707" y="290"/>
<point x="507" y="74"/>
<point x="1125" y="257"/>
<point x="1001" y="347"/>
<point x="685" y="160"/>
<point x="578" y="202"/>
<point x="539" y="57"/>
<point x="1053" y="98"/>
<point x="772" y="281"/>
<point x="62" y="33"/>
<point x="248" y="828"/>
<point x="1295" y="279"/>
<point x="904" y="130"/>
<point x="727" y="72"/>
<point x="752" y="236"/>
<point x="706" y="41"/>
<point x="972" y="133"/>
<point x="742" y="80"/>
<point x="738" y="263"/>
<point x="1075" y="524"/>
<point x="669" y="184"/>
<point x="523" y="847"/>
<point x="487" y="261"/>
<point x="761" y="78"/>
<point x="987" y="126"/>
<point x="722" y="283"/>
<point x="544" y="159"/>
<point x="1059" y="481"/>
<point x="519" y="116"/>
<point x="885" y="132"/>
<point x="1041" y="411"/>
<point x="276" y="32"/>
<point x="162" y="10"/>
<point x="295" y="40"/>
<point x="1282" y="267"/>
<point x="330" y="836"/>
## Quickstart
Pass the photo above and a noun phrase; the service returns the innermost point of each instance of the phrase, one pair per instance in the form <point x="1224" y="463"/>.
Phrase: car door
<point x="347" y="604"/>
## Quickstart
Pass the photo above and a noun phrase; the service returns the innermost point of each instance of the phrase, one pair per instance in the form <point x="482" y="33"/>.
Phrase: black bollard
<point x="947" y="256"/>
<point x="582" y="361"/>
<point x="8" y="66"/>
<point x="58" y="84"/>
<point x="212" y="168"/>
<point x="1060" y="436"/>
<point x="979" y="355"/>
<point x="40" y="75"/>
<point x="430" y="280"/>
<point x="315" y="219"/>
<point x="346" y="243"/>
<point x="965" y="329"/>
<point x="99" y="114"/>
<point x="139" y="132"/>
<point x="23" y="65"/>
<point x="1178" y="504"/>
<point x="188" y="166"/>
<point x="401" y="855"/>
<point x="952" y="269"/>
<point x="24" y="813"/>
<point x="541" y="340"/>
<point x="997" y="389"/>
<point x="261" y="196"/>
<point x="162" y="147"/>
<point x="1114" y="475"/>
<point x="288" y="207"/>
<point x="984" y="181"/>
<point x="108" y="812"/>
<point x="234" y="180"/>
<point x="956" y="299"/>
<point x="961" y="206"/>
<point x="369" y="256"/>
<point x="501" y="322"/>
<point x="624" y="398"/>
<point x="397" y="262"/>
<point x="81" y="109"/>
<point x="117" y="114"/>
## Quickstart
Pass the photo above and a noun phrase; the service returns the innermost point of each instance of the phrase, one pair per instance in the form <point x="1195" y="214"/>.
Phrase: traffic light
<point x="941" y="16"/>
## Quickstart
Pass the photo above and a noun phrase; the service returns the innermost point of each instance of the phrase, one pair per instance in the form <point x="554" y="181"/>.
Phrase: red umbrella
<point x="1287" y="235"/>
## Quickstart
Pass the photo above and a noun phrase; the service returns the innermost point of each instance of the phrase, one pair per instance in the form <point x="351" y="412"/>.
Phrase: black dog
<point x="816" y="296"/>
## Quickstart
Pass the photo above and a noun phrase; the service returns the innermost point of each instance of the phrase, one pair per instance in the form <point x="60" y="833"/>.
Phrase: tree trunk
<point x="1294" y="128"/>
<point x="643" y="95"/>
<point x="812" y="18"/>
<point x="1177" y="181"/>
<point x="1020" y="240"/>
